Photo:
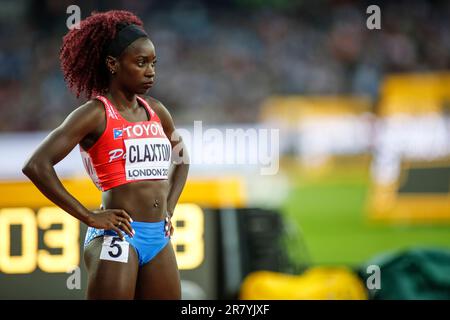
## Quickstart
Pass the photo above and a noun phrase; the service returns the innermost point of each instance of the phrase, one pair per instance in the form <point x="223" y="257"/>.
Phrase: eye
<point x="141" y="63"/>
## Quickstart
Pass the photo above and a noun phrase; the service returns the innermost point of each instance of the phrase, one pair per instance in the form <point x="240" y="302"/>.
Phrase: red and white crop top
<point x="128" y="151"/>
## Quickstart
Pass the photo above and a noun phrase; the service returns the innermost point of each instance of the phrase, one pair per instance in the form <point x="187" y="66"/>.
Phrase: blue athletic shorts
<point x="150" y="238"/>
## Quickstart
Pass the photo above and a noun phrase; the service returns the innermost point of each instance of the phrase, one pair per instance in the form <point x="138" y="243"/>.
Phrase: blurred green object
<point x="415" y="274"/>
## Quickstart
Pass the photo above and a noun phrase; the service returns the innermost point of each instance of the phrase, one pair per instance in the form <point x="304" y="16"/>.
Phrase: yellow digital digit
<point x="66" y="238"/>
<point x="189" y="236"/>
<point x="26" y="261"/>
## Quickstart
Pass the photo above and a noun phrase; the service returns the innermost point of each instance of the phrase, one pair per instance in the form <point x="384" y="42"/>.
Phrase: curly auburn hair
<point x="82" y="54"/>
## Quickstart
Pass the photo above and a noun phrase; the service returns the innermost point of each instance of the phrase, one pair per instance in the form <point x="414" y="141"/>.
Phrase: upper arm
<point x="79" y="123"/>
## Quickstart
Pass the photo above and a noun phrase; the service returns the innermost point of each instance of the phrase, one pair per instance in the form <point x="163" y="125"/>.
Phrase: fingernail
<point x="131" y="220"/>
<point x="134" y="232"/>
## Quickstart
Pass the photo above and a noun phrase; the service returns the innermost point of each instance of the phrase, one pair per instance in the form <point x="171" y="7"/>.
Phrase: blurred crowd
<point x="217" y="63"/>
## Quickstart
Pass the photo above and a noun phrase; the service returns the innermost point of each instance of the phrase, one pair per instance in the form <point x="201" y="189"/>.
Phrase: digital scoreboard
<point x="215" y="239"/>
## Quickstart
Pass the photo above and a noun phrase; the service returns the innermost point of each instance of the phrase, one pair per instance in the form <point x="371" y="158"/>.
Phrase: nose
<point x="150" y="72"/>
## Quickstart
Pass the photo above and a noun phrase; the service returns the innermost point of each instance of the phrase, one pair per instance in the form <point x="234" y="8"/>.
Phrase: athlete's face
<point x="136" y="66"/>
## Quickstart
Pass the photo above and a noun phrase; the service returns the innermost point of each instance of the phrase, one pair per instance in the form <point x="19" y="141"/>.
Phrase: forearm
<point x="46" y="180"/>
<point x="178" y="179"/>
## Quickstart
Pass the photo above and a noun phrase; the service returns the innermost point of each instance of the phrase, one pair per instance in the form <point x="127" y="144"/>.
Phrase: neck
<point x="122" y="99"/>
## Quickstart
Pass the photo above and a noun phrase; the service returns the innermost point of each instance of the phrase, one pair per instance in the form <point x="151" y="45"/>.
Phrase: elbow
<point x="30" y="168"/>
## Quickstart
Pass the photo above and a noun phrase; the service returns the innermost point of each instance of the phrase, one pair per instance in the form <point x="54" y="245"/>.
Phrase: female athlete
<point x="127" y="142"/>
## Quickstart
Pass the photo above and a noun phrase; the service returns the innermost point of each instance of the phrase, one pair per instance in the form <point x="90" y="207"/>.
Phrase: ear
<point x="111" y="64"/>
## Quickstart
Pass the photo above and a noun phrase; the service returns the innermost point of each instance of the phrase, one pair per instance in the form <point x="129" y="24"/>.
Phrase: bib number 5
<point x="114" y="249"/>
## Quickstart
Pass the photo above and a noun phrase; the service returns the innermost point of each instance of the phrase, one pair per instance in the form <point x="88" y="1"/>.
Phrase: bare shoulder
<point x="157" y="106"/>
<point x="92" y="108"/>
<point x="90" y="113"/>
<point x="87" y="118"/>
<point x="162" y="112"/>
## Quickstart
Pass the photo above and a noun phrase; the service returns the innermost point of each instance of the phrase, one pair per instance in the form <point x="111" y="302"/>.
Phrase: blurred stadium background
<point x="364" y="126"/>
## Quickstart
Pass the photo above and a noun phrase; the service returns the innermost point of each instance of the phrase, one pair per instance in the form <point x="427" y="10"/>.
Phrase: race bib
<point x="147" y="158"/>
<point x="114" y="249"/>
